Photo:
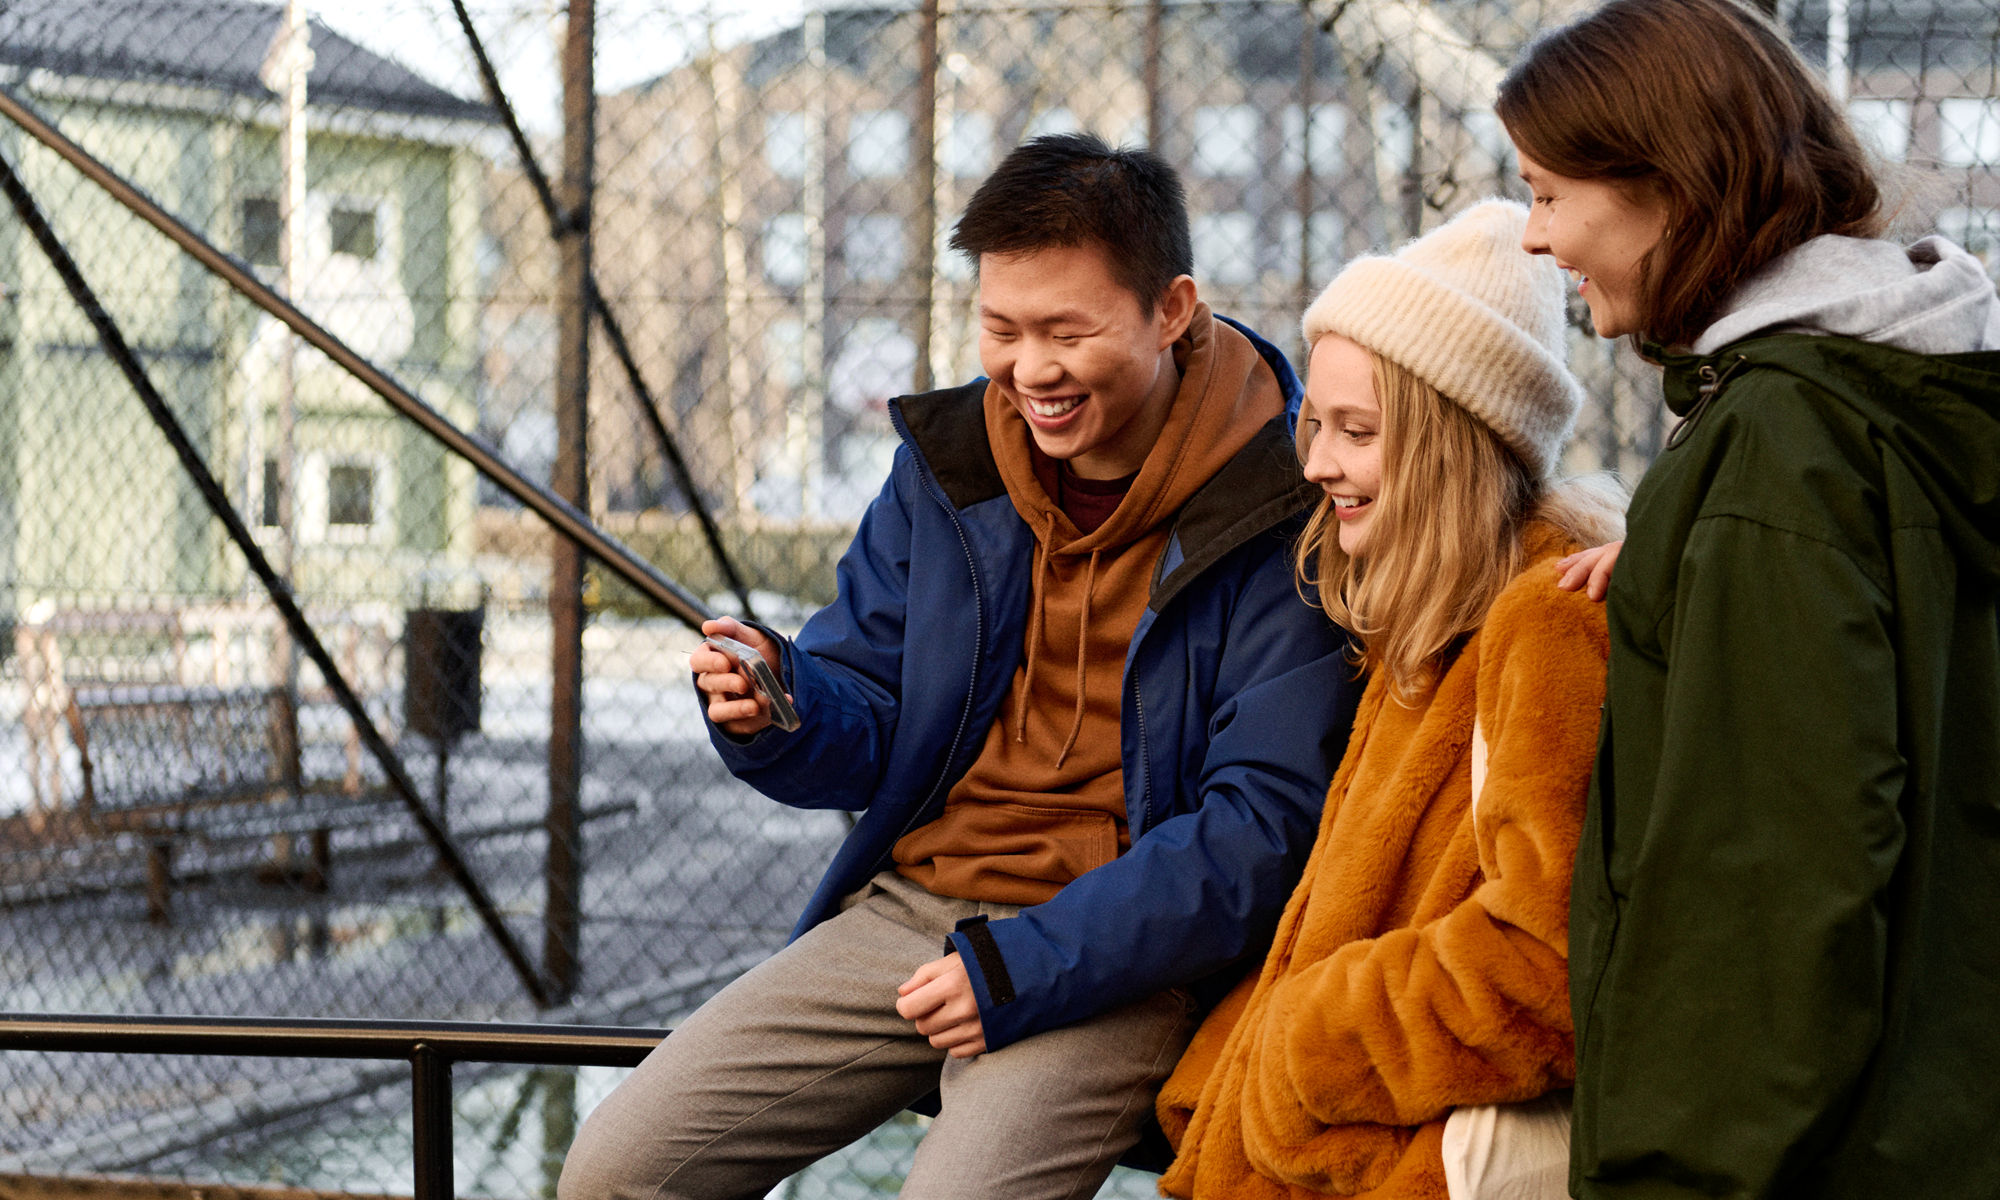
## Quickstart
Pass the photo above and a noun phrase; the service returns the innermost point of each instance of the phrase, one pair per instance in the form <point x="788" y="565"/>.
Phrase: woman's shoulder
<point x="1532" y="608"/>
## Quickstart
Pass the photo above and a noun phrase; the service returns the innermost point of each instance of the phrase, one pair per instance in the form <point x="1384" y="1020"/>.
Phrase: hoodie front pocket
<point x="998" y="850"/>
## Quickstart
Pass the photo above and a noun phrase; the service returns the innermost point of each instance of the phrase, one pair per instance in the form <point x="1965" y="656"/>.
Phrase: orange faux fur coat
<point x="1422" y="962"/>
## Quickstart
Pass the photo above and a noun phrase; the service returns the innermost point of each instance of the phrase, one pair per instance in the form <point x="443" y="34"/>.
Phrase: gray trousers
<point x="805" y="1053"/>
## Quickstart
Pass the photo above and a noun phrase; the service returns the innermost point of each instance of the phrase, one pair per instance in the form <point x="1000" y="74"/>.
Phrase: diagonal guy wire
<point x="561" y="223"/>
<point x="281" y="596"/>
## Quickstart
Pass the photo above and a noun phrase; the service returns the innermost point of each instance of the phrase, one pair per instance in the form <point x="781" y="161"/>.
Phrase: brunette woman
<point x="1411" y="1023"/>
<point x="1785" y="934"/>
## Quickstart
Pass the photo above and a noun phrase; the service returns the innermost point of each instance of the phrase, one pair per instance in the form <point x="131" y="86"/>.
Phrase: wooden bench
<point x="168" y="765"/>
<point x="197" y="767"/>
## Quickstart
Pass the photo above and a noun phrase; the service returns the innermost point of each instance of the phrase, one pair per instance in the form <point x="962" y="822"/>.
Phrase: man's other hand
<point x="938" y="999"/>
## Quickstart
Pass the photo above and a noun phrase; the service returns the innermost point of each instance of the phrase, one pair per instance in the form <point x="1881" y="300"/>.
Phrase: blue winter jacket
<point x="1237" y="707"/>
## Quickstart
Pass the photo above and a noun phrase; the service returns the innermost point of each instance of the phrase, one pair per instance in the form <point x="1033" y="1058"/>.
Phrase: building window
<point x="350" y="495"/>
<point x="1489" y="137"/>
<point x="352" y="231"/>
<point x="786" y="145"/>
<point x="966" y="149"/>
<point x="1884" y="126"/>
<point x="785" y="249"/>
<point x="262" y="230"/>
<point x="874" y="248"/>
<point x="1976" y="229"/>
<point x="951" y="265"/>
<point x="1329" y="230"/>
<point x="1225" y="247"/>
<point x="878" y="144"/>
<point x="875" y="362"/>
<point x="1225" y="140"/>
<point x="344" y="498"/>
<point x="1317" y="146"/>
<point x="785" y="350"/>
<point x="1054" y="120"/>
<point x="1393" y="133"/>
<point x="268" y="502"/>
<point x="1969" y="132"/>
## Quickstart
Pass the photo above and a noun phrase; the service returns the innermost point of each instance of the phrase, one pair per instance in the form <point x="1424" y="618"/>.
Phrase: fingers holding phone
<point x="736" y="669"/>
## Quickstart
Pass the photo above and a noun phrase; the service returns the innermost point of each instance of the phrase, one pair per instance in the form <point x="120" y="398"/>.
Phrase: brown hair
<point x="1702" y="103"/>
<point x="1448" y="537"/>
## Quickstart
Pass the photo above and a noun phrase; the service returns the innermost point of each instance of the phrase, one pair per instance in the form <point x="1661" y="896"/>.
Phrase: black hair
<point x="1073" y="189"/>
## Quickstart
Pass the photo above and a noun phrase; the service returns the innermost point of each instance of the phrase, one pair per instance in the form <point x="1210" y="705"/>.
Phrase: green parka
<point x="1785" y="926"/>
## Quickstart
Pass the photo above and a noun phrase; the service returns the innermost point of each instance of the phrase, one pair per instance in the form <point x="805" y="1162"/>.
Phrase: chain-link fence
<point x="189" y="820"/>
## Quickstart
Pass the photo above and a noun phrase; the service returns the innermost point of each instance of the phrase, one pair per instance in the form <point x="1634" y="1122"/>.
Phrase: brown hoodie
<point x="1045" y="800"/>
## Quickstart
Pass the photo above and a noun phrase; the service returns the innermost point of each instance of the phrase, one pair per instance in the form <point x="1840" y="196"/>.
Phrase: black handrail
<point x="430" y="1047"/>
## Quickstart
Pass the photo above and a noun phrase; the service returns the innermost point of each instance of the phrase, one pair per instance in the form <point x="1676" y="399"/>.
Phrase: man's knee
<point x="599" y="1168"/>
<point x="634" y="1141"/>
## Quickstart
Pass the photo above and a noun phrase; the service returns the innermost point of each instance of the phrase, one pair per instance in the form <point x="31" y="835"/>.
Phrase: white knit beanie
<point x="1473" y="315"/>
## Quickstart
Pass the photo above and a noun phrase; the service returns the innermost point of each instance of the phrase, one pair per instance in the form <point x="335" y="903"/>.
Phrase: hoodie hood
<point x="1090" y="588"/>
<point x="1044" y="802"/>
<point x="1929" y="298"/>
<point x="1227" y="393"/>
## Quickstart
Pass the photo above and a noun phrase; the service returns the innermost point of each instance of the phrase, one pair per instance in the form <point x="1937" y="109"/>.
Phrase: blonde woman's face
<point x="1340" y="429"/>
<point x="1598" y="231"/>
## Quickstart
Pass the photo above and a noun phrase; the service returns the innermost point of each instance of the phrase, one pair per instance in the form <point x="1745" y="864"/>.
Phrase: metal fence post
<point x="562" y="915"/>
<point x="1308" y="186"/>
<point x="1156" y="21"/>
<point x="430" y="1101"/>
<point x="927" y="184"/>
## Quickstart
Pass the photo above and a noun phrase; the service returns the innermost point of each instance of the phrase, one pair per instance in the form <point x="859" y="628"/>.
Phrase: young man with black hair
<point x="1088" y="722"/>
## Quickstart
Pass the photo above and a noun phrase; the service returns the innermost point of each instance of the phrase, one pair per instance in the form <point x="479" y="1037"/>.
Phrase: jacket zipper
<point x="978" y="636"/>
<point x="1145" y="760"/>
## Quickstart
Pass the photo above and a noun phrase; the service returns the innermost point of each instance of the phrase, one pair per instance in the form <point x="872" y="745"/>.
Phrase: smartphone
<point x="761" y="677"/>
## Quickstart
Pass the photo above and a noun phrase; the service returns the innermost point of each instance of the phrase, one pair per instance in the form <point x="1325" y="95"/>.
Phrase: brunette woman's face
<point x="1340" y="429"/>
<point x="1599" y="231"/>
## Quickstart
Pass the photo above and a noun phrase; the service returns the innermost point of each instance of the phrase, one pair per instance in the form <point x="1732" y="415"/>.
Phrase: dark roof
<point x="878" y="41"/>
<point x="856" y="40"/>
<point x="216" y="44"/>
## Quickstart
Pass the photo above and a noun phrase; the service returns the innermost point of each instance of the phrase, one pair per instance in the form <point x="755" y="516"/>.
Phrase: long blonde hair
<point x="1448" y="535"/>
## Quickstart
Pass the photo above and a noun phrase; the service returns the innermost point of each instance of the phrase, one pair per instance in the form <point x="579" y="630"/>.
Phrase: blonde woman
<point x="1411" y="1022"/>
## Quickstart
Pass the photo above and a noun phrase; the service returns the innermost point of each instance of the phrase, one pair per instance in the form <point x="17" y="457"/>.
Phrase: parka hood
<point x="1930" y="298"/>
<point x="1938" y="414"/>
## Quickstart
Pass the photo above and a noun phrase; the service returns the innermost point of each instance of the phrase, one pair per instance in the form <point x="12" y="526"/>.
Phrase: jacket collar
<point x="1256" y="490"/>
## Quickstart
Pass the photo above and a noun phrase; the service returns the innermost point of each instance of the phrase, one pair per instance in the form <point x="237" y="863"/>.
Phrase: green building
<point x="94" y="510"/>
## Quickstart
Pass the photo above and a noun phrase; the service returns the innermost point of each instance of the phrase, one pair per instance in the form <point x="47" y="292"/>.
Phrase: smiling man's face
<point x="1077" y="356"/>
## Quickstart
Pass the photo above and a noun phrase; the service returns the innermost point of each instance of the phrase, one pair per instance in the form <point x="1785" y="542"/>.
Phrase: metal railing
<point x="430" y="1047"/>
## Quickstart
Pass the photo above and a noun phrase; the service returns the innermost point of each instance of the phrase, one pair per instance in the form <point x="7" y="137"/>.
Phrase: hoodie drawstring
<point x="1043" y="568"/>
<point x="1082" y="641"/>
<point x="1035" y="624"/>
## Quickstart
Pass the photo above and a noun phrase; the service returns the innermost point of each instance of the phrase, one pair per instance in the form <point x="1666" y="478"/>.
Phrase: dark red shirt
<point x="1087" y="503"/>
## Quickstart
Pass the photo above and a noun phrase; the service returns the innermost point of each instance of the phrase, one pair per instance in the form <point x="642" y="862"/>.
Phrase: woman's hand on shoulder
<point x="1589" y="570"/>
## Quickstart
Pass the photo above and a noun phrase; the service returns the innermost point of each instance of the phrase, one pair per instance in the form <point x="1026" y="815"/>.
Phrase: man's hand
<point x="938" y="999"/>
<point x="1590" y="569"/>
<point x="733" y="704"/>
